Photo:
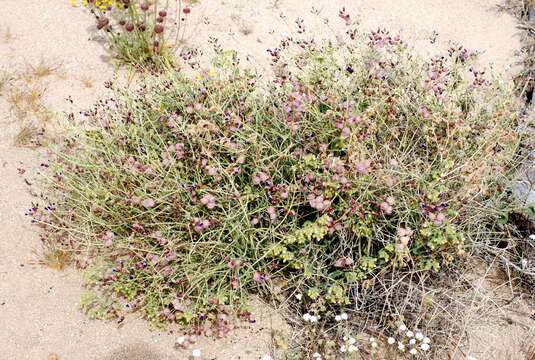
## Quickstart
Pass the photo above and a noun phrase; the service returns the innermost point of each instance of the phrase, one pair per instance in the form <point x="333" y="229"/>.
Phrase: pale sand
<point x="38" y="306"/>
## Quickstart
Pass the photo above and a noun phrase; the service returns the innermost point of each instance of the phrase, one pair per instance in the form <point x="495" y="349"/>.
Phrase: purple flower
<point x="148" y="203"/>
<point x="272" y="213"/>
<point x="424" y="112"/>
<point x="199" y="225"/>
<point x="260" y="177"/>
<point x="318" y="202"/>
<point x="107" y="237"/>
<point x="235" y="263"/>
<point x="343" y="262"/>
<point x="208" y="200"/>
<point x="259" y="277"/>
<point x="364" y="167"/>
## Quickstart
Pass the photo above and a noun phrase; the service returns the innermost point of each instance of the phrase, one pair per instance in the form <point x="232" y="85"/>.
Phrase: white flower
<point x="413" y="351"/>
<point x="307" y="317"/>
<point x="401" y="346"/>
<point x="343" y="349"/>
<point x="372" y="339"/>
<point x="402" y="327"/>
<point x="419" y="336"/>
<point x="316" y="355"/>
<point x="426" y="340"/>
<point x="532" y="236"/>
<point x="314" y="318"/>
<point x="338" y="318"/>
<point x="352" y="348"/>
<point x="374" y="344"/>
<point x="352" y="340"/>
<point x="344" y="316"/>
<point x="391" y="340"/>
<point x="180" y="340"/>
<point x="409" y="334"/>
<point x="424" y="347"/>
<point x="470" y="357"/>
<point x="196" y="353"/>
<point x="412" y="341"/>
<point x="266" y="357"/>
<point x="299" y="296"/>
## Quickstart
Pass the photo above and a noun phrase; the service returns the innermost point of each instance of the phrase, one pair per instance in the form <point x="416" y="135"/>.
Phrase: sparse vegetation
<point x="86" y="81"/>
<point x="54" y="257"/>
<point x="7" y="36"/>
<point x="42" y="69"/>
<point x="23" y="90"/>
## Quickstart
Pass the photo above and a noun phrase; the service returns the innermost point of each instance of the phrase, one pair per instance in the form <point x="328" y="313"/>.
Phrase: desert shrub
<point x="140" y="33"/>
<point x="355" y="160"/>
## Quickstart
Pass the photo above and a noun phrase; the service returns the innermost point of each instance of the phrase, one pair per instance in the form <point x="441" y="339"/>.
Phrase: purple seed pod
<point x="102" y="22"/>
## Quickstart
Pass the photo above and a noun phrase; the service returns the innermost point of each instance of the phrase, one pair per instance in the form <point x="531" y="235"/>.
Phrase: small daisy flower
<point x="412" y="341"/>
<point x="344" y="316"/>
<point x="401" y="346"/>
<point x="419" y="336"/>
<point x="181" y="340"/>
<point x="372" y="339"/>
<point x="402" y="327"/>
<point x="314" y="319"/>
<point x="409" y="334"/>
<point x="352" y="348"/>
<point x="343" y="349"/>
<point x="299" y="296"/>
<point x="374" y="344"/>
<point x="424" y="347"/>
<point x="316" y="355"/>
<point x="307" y="317"/>
<point x="352" y="341"/>
<point x="338" y="318"/>
<point x="413" y="351"/>
<point x="426" y="340"/>
<point x="196" y="353"/>
<point x="391" y="340"/>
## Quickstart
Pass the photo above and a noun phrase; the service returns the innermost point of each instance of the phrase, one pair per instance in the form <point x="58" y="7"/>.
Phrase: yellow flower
<point x="100" y="4"/>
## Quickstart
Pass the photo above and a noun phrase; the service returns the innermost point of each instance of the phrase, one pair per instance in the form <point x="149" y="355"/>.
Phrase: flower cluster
<point x="311" y="318"/>
<point x="350" y="345"/>
<point x="410" y="341"/>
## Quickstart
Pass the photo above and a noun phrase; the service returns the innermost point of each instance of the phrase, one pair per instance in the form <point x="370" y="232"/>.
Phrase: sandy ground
<point x="39" y="306"/>
<point x="253" y="26"/>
